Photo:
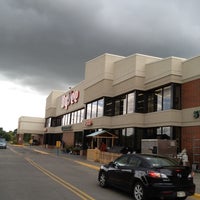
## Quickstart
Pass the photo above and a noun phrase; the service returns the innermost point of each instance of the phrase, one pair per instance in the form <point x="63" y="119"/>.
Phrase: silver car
<point x="3" y="143"/>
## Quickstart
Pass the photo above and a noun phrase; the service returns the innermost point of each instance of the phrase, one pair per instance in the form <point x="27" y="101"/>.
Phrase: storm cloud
<point x="45" y="43"/>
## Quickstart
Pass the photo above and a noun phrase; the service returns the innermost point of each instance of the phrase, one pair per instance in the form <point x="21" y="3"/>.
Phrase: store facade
<point x="135" y="97"/>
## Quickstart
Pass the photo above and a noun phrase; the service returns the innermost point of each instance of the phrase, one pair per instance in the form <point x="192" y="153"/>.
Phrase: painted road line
<point x="42" y="152"/>
<point x="196" y="195"/>
<point x="57" y="179"/>
<point x="88" y="165"/>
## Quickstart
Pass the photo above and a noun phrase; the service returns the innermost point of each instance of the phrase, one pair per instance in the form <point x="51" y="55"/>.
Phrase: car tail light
<point x="154" y="174"/>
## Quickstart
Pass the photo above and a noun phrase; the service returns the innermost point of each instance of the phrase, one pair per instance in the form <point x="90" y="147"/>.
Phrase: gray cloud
<point x="45" y="43"/>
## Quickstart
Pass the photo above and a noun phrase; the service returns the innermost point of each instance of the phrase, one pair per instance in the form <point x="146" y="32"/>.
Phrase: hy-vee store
<point x="133" y="98"/>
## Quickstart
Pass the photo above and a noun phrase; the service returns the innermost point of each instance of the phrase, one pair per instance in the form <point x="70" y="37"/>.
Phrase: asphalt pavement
<point x="96" y="165"/>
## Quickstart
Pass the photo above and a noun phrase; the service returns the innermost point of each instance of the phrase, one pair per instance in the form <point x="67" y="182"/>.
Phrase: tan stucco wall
<point x="32" y="125"/>
<point x="100" y="68"/>
<point x="51" y="103"/>
<point x="131" y="66"/>
<point x="163" y="72"/>
<point x="98" y="90"/>
<point x="191" y="69"/>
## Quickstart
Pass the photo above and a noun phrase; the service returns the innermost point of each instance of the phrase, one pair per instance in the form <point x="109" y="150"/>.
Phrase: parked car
<point x="3" y="143"/>
<point x="148" y="176"/>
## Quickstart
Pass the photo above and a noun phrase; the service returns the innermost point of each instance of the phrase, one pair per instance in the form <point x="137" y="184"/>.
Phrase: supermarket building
<point x="134" y="98"/>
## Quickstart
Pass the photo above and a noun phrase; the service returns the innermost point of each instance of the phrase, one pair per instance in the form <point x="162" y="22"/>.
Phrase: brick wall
<point x="190" y="98"/>
<point x="191" y="94"/>
<point x="68" y="138"/>
<point x="187" y="139"/>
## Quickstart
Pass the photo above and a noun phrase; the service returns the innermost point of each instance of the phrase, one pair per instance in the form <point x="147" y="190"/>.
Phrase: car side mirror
<point x="113" y="164"/>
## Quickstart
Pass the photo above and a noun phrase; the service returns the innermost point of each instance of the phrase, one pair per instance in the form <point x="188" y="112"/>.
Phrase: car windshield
<point x="161" y="162"/>
<point x="2" y="140"/>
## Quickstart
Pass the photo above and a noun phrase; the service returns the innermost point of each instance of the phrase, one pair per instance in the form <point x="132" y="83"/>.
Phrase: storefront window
<point x="130" y="137"/>
<point x="48" y="122"/>
<point x="123" y="137"/>
<point x="63" y="120"/>
<point x="158" y="100"/>
<point x="176" y="96"/>
<point x="161" y="99"/>
<point x="100" y="108"/>
<point x="89" y="110"/>
<point x="78" y="116"/>
<point x="140" y="102"/>
<point x="72" y="118"/>
<point x="117" y="107"/>
<point x="167" y="98"/>
<point x="78" y="139"/>
<point x="108" y="108"/>
<point x="150" y="102"/>
<point x="68" y="119"/>
<point x="120" y="105"/>
<point x="94" y="109"/>
<point x="125" y="106"/>
<point x="75" y="117"/>
<point x="131" y="103"/>
<point x="167" y="133"/>
<point x="127" y="137"/>
<point x="82" y="115"/>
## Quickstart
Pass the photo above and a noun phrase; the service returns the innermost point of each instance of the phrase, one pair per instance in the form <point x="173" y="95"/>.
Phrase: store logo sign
<point x="66" y="128"/>
<point x="196" y="114"/>
<point x="88" y="122"/>
<point x="70" y="98"/>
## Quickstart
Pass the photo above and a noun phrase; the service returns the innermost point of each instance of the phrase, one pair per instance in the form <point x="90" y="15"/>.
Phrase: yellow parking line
<point x="42" y="152"/>
<point x="87" y="165"/>
<point x="196" y="195"/>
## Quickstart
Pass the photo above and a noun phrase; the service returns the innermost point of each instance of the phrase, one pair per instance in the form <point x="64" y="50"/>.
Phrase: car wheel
<point x="138" y="191"/>
<point x="181" y="198"/>
<point x="102" y="179"/>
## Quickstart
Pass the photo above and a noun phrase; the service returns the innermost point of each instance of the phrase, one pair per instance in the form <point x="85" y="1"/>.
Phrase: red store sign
<point x="70" y="98"/>
<point x="88" y="122"/>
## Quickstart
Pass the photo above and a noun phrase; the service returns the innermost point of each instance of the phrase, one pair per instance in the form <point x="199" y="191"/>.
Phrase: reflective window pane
<point x="131" y="103"/>
<point x="94" y="109"/>
<point x="89" y="109"/>
<point x="158" y="100"/>
<point x="100" y="108"/>
<point x="167" y="98"/>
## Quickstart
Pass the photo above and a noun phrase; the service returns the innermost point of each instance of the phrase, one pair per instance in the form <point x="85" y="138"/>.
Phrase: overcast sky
<point x="44" y="44"/>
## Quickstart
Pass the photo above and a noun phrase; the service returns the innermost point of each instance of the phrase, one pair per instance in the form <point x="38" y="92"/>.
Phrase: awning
<point x="102" y="134"/>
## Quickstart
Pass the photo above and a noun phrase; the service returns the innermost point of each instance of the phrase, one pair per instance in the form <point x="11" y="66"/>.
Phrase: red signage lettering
<point x="88" y="122"/>
<point x="70" y="98"/>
